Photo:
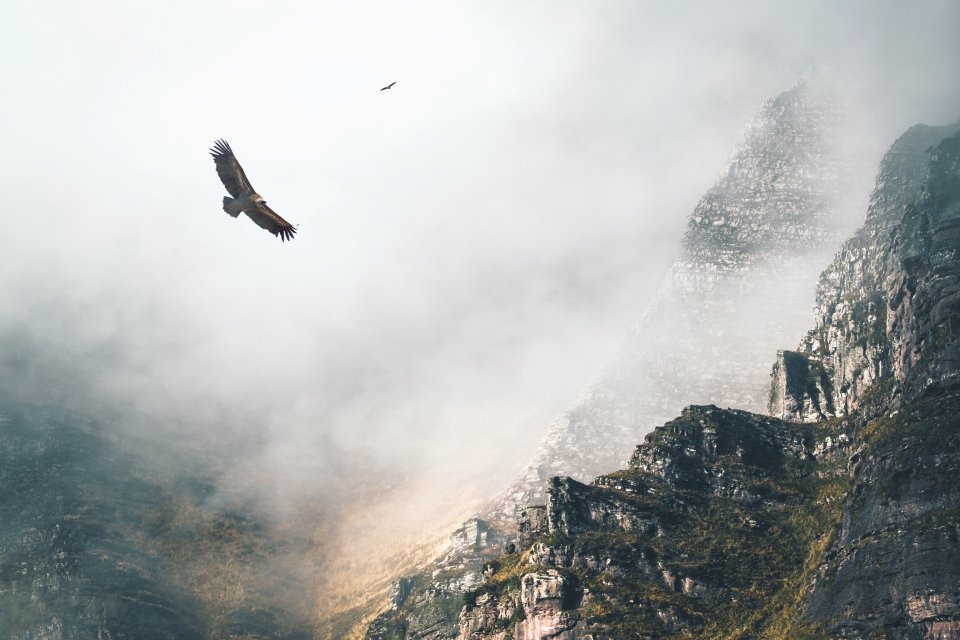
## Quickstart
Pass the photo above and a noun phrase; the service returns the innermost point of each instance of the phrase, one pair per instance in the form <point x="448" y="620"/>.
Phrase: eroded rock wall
<point x="841" y="522"/>
<point x="739" y="288"/>
<point x="867" y="328"/>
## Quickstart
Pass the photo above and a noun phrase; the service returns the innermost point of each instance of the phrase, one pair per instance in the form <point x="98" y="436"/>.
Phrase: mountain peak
<point x="762" y="232"/>
<point x="732" y="524"/>
<point x="778" y="195"/>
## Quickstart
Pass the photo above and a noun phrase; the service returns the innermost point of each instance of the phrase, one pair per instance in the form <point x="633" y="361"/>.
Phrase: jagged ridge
<point x="735" y="525"/>
<point x="761" y="233"/>
<point x="738" y="288"/>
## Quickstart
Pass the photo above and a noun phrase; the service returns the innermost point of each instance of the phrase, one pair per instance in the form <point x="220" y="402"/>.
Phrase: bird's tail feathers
<point x="228" y="206"/>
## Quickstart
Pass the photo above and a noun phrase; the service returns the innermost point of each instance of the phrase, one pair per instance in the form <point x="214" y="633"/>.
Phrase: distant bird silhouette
<point x="389" y="85"/>
<point x="245" y="199"/>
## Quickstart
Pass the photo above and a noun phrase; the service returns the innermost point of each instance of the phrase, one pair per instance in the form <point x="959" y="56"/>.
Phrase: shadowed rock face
<point x="738" y="289"/>
<point x="93" y="545"/>
<point x="731" y="524"/>
<point x="895" y="562"/>
<point x="68" y="567"/>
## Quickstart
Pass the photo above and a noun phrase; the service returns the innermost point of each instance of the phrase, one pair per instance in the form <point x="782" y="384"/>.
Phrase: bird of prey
<point x="389" y="85"/>
<point x="245" y="199"/>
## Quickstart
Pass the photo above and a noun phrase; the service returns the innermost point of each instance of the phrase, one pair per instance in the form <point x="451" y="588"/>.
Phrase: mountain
<point x="739" y="288"/>
<point x="112" y="527"/>
<point x="837" y="517"/>
<point x="851" y="294"/>
<point x="68" y="567"/>
<point x="834" y="515"/>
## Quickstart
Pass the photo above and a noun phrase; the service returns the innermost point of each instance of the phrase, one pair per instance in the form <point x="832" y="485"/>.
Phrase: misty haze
<point x="567" y="229"/>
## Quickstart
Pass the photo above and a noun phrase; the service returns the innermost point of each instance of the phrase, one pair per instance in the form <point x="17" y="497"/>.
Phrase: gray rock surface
<point x="841" y="522"/>
<point x="895" y="563"/>
<point x="865" y="324"/>
<point x="93" y="545"/>
<point x="68" y="566"/>
<point x="739" y="288"/>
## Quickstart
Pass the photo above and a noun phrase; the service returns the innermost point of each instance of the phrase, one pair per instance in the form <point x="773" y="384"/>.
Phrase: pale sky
<point x="472" y="242"/>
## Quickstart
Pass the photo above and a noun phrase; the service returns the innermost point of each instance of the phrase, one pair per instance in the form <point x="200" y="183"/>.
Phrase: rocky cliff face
<point x="893" y="568"/>
<point x="697" y="535"/>
<point x="866" y="327"/>
<point x="894" y="564"/>
<point x="738" y="289"/>
<point x="93" y="544"/>
<point x="842" y="521"/>
<point x="66" y="568"/>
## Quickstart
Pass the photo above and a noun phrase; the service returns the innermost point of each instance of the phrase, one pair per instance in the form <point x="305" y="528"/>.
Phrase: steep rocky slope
<point x="97" y="541"/>
<point x="739" y="288"/>
<point x="842" y="522"/>
<point x="866" y="297"/>
<point x="695" y="538"/>
<point x="66" y="568"/>
<point x="895" y="562"/>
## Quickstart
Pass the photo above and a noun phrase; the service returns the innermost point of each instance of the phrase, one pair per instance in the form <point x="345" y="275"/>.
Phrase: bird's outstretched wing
<point x="267" y="218"/>
<point x="230" y="172"/>
<point x="388" y="86"/>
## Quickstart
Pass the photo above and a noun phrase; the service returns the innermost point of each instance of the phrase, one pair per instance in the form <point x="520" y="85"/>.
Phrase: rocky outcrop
<point x="540" y="608"/>
<point x="531" y="522"/>
<point x="842" y="521"/>
<point x="801" y="389"/>
<point x="739" y="288"/>
<point x="895" y="564"/>
<point x="705" y="516"/>
<point x="427" y="606"/>
<point x="867" y="328"/>
<point x="93" y="546"/>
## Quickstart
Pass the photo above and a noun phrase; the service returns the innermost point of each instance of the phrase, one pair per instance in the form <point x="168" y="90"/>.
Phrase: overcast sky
<point x="472" y="242"/>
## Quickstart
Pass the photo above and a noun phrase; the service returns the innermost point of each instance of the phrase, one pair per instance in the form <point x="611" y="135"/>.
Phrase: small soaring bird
<point x="389" y="85"/>
<point x="245" y="199"/>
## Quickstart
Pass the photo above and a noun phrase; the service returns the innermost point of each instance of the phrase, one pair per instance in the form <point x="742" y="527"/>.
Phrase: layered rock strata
<point x="867" y="326"/>
<point x="95" y="545"/>
<point x="842" y="521"/>
<point x="738" y="289"/>
<point x="702" y="528"/>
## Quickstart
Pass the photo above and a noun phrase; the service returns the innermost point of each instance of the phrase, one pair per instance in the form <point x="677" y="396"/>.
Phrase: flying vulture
<point x="245" y="199"/>
<point x="389" y="85"/>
